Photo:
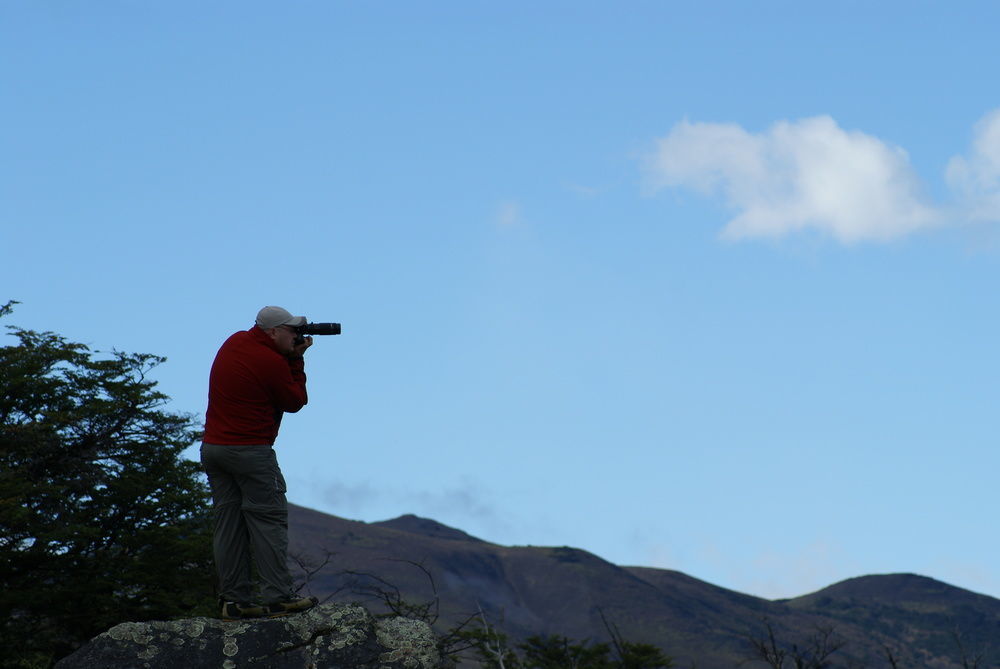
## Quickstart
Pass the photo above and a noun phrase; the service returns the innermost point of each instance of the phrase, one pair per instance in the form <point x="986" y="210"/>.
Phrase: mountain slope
<point x="916" y="612"/>
<point x="561" y="590"/>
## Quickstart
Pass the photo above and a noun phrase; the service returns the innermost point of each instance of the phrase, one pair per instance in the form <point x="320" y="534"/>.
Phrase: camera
<point x="316" y="329"/>
<point x="319" y="329"/>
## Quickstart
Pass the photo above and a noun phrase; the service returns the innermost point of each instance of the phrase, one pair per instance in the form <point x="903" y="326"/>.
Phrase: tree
<point x="553" y="651"/>
<point x="969" y="659"/>
<point x="101" y="519"/>
<point x="633" y="655"/>
<point x="815" y="653"/>
<point x="558" y="652"/>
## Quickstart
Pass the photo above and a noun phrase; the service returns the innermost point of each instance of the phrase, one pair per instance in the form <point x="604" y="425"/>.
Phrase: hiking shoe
<point x="241" y="610"/>
<point x="287" y="606"/>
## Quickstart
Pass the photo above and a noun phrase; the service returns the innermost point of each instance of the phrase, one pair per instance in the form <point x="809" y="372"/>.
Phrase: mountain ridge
<point x="568" y="591"/>
<point x="426" y="527"/>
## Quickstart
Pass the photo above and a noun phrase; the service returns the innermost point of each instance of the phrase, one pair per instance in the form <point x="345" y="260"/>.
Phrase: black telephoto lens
<point x="320" y="329"/>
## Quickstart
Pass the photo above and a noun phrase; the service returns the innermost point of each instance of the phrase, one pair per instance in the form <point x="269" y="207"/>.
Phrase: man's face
<point x="284" y="338"/>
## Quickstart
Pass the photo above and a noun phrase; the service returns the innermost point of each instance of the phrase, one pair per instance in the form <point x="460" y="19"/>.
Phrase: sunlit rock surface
<point x="328" y="636"/>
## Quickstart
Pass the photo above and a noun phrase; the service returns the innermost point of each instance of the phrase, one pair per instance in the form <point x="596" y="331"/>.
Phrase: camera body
<point x="316" y="329"/>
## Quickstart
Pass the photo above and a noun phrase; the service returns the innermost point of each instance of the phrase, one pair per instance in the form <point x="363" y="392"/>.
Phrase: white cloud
<point x="798" y="175"/>
<point x="976" y="179"/>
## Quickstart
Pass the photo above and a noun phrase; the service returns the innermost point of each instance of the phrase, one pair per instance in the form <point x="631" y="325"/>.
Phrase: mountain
<point x="425" y="526"/>
<point x="929" y="617"/>
<point x="528" y="590"/>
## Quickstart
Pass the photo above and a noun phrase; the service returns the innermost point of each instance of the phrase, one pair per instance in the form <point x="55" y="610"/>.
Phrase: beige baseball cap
<point x="272" y="317"/>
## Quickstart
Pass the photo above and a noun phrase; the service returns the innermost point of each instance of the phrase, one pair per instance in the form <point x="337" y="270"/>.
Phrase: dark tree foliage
<point x="101" y="519"/>
<point x="558" y="652"/>
<point x="633" y="655"/>
<point x="493" y="651"/>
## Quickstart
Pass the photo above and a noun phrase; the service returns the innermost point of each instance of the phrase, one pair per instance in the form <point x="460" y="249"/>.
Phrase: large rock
<point x="328" y="636"/>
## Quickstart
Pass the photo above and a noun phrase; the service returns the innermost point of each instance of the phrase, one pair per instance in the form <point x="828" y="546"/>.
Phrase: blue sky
<point x="701" y="286"/>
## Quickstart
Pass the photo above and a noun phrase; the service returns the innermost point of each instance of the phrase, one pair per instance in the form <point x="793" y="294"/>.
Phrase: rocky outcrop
<point x="326" y="637"/>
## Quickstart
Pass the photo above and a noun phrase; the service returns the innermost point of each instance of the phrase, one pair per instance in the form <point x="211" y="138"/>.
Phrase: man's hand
<point x="301" y="348"/>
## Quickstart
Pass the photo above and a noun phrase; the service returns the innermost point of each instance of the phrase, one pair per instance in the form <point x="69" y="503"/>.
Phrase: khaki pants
<point x="251" y="519"/>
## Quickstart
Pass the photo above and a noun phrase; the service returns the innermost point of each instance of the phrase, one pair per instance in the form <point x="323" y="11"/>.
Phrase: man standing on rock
<point x="257" y="376"/>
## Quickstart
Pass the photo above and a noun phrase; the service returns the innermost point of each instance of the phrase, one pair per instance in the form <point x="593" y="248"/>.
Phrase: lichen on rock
<point x="411" y="642"/>
<point x="329" y="635"/>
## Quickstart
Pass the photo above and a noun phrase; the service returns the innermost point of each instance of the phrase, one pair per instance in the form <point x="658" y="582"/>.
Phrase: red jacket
<point x="251" y="386"/>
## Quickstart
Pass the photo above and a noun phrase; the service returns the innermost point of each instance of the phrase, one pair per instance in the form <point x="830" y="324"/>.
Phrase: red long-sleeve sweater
<point x="250" y="387"/>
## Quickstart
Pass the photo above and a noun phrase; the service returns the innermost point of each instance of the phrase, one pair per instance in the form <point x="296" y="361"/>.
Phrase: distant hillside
<point x="916" y="612"/>
<point x="563" y="590"/>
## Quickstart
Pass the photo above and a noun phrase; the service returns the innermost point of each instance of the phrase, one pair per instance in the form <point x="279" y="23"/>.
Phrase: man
<point x="257" y="376"/>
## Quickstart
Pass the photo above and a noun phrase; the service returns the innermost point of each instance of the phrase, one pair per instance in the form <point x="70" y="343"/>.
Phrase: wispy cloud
<point x="584" y="191"/>
<point x="976" y="178"/>
<point x="466" y="503"/>
<point x="772" y="574"/>
<point x="975" y="576"/>
<point x="352" y="498"/>
<point x="807" y="174"/>
<point x="508" y="214"/>
<point x="800" y="570"/>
